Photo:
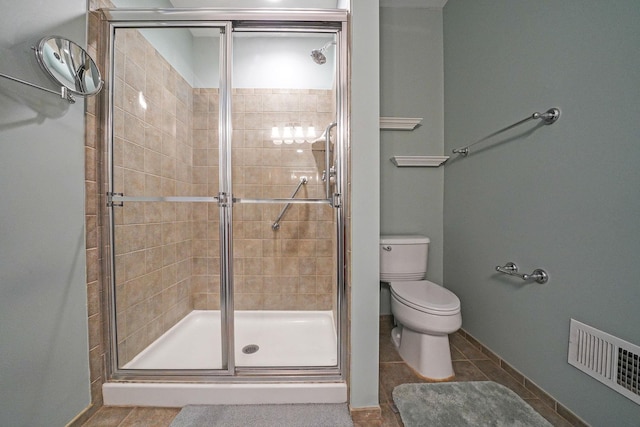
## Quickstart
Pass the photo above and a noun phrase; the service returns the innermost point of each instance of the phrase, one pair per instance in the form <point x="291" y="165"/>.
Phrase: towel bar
<point x="548" y="117"/>
<point x="511" y="269"/>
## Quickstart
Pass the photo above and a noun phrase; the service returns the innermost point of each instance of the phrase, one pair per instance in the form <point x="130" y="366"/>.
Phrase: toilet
<point x="425" y="312"/>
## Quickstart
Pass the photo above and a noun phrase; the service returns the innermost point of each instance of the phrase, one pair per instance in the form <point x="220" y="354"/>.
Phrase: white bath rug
<point x="463" y="404"/>
<point x="298" y="415"/>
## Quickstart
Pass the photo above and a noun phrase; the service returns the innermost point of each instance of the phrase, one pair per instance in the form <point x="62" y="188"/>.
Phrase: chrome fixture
<point x="511" y="269"/>
<point x="548" y="117"/>
<point x="318" y="54"/>
<point x="323" y="137"/>
<point x="66" y="64"/>
<point x="276" y="224"/>
<point x="329" y="170"/>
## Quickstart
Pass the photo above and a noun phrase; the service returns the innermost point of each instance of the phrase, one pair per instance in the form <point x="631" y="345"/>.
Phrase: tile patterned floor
<point x="469" y="363"/>
<point x="113" y="416"/>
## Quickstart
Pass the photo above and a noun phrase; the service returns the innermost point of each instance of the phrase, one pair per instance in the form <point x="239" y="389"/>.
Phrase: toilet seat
<point x="426" y="296"/>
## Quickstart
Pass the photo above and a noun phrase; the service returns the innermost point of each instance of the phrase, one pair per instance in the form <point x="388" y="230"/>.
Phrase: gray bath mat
<point x="307" y="415"/>
<point x="477" y="403"/>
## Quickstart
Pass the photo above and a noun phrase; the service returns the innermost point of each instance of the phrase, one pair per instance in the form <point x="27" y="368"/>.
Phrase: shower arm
<point x="326" y="46"/>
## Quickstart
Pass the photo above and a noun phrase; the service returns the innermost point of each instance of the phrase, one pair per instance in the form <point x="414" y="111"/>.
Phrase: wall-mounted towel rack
<point x="548" y="117"/>
<point x="510" y="268"/>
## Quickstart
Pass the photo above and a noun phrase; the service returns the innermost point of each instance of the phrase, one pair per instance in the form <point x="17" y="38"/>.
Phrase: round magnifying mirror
<point x="69" y="65"/>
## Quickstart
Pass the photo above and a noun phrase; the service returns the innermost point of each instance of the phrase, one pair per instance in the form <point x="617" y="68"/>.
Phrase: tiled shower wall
<point x="286" y="269"/>
<point x="167" y="254"/>
<point x="291" y="268"/>
<point x="152" y="157"/>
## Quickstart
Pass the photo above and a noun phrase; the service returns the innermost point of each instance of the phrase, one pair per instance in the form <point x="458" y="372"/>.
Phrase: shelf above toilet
<point x="399" y="123"/>
<point x="419" y="161"/>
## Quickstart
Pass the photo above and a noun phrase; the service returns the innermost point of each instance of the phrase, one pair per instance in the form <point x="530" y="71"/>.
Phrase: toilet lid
<point x="426" y="296"/>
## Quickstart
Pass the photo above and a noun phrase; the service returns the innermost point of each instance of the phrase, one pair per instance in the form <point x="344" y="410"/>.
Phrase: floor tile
<point x="108" y="416"/>
<point x="390" y="418"/>
<point x="150" y="417"/>
<point x="456" y="354"/>
<point x="382" y="395"/>
<point x="500" y="376"/>
<point x="548" y="413"/>
<point x="466" y="348"/>
<point x="394" y="374"/>
<point x="388" y="352"/>
<point x="386" y="325"/>
<point x="467" y="371"/>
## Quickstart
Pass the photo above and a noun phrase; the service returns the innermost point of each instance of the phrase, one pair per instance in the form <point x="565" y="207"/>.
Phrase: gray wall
<point x="44" y="372"/>
<point x="365" y="199"/>
<point x="563" y="197"/>
<point x="411" y="85"/>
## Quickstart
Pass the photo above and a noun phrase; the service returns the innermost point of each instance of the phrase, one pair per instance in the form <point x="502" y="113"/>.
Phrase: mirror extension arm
<point x="66" y="64"/>
<point x="64" y="93"/>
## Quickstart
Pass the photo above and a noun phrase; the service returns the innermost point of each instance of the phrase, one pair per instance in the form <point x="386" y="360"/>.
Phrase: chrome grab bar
<point x="276" y="224"/>
<point x="548" y="117"/>
<point x="511" y="269"/>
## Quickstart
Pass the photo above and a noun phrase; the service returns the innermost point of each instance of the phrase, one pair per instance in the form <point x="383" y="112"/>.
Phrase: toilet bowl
<point x="426" y="313"/>
<point x="426" y="320"/>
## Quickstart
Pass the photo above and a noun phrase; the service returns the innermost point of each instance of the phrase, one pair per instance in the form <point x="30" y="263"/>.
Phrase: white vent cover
<point x="610" y="360"/>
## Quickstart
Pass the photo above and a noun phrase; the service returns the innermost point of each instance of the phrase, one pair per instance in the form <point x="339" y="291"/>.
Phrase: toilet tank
<point x="403" y="257"/>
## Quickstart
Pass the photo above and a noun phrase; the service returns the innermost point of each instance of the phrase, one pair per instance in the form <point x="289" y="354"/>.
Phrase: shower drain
<point x="250" y="349"/>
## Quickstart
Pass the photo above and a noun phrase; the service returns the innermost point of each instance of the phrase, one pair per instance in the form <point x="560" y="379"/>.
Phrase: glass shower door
<point x="163" y="200"/>
<point x="284" y="226"/>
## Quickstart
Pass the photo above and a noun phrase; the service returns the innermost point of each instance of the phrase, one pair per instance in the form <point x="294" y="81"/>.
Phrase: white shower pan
<point x="283" y="338"/>
<point x="269" y="338"/>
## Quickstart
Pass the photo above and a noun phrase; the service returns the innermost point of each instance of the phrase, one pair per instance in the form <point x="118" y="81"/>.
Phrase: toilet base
<point x="429" y="355"/>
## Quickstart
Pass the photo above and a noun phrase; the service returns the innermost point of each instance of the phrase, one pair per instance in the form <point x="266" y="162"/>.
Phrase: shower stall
<point x="224" y="172"/>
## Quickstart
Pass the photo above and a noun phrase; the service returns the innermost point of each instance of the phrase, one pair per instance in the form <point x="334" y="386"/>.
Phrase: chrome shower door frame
<point x="227" y="21"/>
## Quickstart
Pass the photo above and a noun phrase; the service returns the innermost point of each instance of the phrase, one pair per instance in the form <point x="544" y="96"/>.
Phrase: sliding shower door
<point x="284" y="224"/>
<point x="224" y="171"/>
<point x="164" y="199"/>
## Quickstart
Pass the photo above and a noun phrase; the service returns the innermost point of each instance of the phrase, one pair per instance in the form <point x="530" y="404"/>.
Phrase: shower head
<point x="318" y="57"/>
<point x="318" y="54"/>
